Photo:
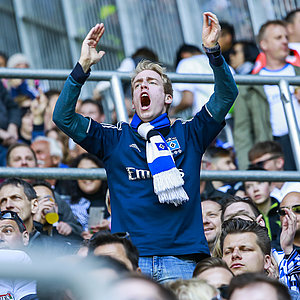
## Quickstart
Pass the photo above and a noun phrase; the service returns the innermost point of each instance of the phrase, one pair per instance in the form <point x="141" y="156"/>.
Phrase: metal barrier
<point x="77" y="173"/>
<point x="116" y="78"/>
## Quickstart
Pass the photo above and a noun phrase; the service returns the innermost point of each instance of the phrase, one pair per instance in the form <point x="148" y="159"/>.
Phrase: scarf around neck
<point x="167" y="181"/>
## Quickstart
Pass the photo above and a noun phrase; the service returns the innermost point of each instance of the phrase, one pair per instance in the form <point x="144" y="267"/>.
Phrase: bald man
<point x="292" y="202"/>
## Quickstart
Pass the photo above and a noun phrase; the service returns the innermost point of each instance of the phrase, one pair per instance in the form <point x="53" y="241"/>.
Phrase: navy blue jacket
<point x="155" y="228"/>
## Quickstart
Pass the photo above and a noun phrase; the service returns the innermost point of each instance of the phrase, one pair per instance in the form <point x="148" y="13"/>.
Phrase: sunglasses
<point x="11" y="215"/>
<point x="122" y="235"/>
<point x="295" y="209"/>
<point x="260" y="164"/>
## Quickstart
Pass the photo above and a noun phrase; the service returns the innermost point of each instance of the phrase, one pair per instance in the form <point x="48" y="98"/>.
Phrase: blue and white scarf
<point x="167" y="181"/>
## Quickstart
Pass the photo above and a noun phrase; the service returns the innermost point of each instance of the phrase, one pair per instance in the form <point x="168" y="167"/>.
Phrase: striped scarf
<point x="167" y="181"/>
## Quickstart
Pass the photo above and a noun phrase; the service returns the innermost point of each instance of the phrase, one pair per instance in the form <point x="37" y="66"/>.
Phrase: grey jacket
<point x="251" y="120"/>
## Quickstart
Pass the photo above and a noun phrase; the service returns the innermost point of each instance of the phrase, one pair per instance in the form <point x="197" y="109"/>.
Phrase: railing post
<point x="119" y="100"/>
<point x="290" y="119"/>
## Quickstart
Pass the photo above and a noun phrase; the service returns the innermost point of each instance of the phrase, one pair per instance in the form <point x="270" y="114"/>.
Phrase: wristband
<point x="212" y="49"/>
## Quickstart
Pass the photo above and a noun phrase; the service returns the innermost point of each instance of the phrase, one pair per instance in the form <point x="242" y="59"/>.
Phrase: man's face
<point x="259" y="192"/>
<point x="92" y="111"/>
<point x="13" y="198"/>
<point x="116" y="251"/>
<point x="223" y="164"/>
<point x="42" y="152"/>
<point x="240" y="209"/>
<point x="211" y="212"/>
<point x="269" y="162"/>
<point x="242" y="253"/>
<point x="149" y="99"/>
<point x="216" y="277"/>
<point x="10" y="235"/>
<point x="21" y="157"/>
<point x="290" y="200"/>
<point x="255" y="291"/>
<point x="275" y="43"/>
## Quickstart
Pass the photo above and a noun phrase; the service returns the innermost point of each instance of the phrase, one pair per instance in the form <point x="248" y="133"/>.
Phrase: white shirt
<point x="18" y="288"/>
<point x="277" y="116"/>
<point x="287" y="187"/>
<point x="197" y="64"/>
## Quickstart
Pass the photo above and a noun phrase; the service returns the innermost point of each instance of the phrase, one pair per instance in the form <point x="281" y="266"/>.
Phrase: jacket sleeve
<point x="225" y="90"/>
<point x="64" y="115"/>
<point x="12" y="113"/>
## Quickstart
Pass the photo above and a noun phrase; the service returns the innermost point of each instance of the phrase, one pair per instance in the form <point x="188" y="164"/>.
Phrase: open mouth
<point x="145" y="100"/>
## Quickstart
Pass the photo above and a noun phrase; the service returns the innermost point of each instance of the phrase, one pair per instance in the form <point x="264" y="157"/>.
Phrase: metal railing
<point x="116" y="79"/>
<point x="77" y="173"/>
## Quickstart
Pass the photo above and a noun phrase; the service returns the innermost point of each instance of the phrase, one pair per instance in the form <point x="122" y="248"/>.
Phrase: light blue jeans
<point x="166" y="268"/>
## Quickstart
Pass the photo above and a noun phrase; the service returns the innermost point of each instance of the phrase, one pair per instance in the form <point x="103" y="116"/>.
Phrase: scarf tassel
<point x="168" y="186"/>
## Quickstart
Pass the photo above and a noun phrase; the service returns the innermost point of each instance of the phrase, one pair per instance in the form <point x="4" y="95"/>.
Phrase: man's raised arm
<point x="64" y="116"/>
<point x="225" y="88"/>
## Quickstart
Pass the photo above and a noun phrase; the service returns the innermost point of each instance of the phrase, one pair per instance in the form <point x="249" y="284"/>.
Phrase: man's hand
<point x="289" y="226"/>
<point x="273" y="271"/>
<point x="45" y="204"/>
<point x="89" y="55"/>
<point x="38" y="107"/>
<point x="211" y="30"/>
<point x="12" y="129"/>
<point x="64" y="228"/>
<point x="105" y="225"/>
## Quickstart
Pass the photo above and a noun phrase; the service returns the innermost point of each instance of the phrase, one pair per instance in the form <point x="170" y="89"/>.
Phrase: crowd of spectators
<point x="252" y="227"/>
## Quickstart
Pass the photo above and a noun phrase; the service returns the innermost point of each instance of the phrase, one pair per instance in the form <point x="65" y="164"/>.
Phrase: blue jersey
<point x="155" y="228"/>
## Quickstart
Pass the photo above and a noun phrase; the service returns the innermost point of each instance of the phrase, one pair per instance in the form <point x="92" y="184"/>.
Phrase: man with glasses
<point x="117" y="245"/>
<point x="259" y="192"/>
<point x="289" y="260"/>
<point x="269" y="156"/>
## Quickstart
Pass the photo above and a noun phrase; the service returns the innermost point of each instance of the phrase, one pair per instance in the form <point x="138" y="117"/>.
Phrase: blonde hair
<point x="192" y="289"/>
<point x="149" y="65"/>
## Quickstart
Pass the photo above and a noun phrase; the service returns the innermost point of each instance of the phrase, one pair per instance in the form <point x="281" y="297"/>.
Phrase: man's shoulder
<point x="290" y="186"/>
<point x="120" y="126"/>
